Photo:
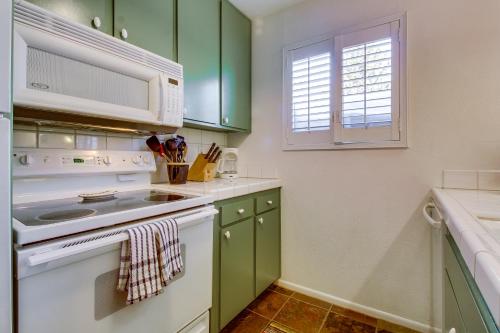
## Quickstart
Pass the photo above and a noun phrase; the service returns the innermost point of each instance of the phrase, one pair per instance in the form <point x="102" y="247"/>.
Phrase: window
<point x="347" y="90"/>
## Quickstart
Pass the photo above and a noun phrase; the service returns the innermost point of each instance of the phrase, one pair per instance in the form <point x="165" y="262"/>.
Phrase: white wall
<point x="352" y="226"/>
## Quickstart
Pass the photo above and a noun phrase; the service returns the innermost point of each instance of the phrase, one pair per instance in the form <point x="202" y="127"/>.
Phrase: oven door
<point x="53" y="72"/>
<point x="75" y="291"/>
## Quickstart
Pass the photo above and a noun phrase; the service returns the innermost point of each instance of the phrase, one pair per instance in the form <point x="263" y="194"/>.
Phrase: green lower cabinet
<point x="82" y="11"/>
<point x="464" y="307"/>
<point x="149" y="24"/>
<point x="267" y="249"/>
<point x="236" y="269"/>
<point x="247" y="254"/>
<point x="452" y="316"/>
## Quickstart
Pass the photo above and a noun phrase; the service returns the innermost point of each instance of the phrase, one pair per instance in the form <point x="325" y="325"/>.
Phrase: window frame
<point x="314" y="141"/>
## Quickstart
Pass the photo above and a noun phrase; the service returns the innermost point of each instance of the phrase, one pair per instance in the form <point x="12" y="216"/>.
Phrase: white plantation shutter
<point x="347" y="91"/>
<point x="308" y="96"/>
<point x="311" y="93"/>
<point x="367" y="82"/>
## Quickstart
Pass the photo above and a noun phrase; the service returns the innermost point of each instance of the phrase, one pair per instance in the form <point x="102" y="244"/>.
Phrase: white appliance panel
<point x="5" y="55"/>
<point x="5" y="185"/>
<point x="5" y="227"/>
<point x="77" y="293"/>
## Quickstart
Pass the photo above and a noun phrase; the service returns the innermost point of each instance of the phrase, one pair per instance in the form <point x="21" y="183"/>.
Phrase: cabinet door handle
<point x="260" y="220"/>
<point x="96" y="22"/>
<point x="269" y="202"/>
<point x="225" y="120"/>
<point x="241" y="211"/>
<point x="227" y="234"/>
<point x="124" y="33"/>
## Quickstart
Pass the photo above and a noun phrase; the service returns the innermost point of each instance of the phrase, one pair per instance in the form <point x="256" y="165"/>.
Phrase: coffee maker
<point x="228" y="164"/>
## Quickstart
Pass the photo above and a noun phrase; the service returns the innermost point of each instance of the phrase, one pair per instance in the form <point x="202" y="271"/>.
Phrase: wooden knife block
<point x="201" y="170"/>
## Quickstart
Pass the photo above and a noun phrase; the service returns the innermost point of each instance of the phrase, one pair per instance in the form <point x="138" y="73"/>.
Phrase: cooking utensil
<point x="155" y="145"/>
<point x="171" y="144"/>
<point x="182" y="151"/>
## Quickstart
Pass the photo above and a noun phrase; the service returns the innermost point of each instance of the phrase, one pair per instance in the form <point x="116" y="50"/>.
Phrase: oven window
<point x="65" y="76"/>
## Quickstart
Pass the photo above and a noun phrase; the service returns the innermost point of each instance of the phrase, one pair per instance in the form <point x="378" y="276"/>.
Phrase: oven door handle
<point x="52" y="255"/>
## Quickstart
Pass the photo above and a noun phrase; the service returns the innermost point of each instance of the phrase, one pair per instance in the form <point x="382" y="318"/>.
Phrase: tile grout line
<point x="329" y="307"/>
<point x="288" y="297"/>
<point x="326" y="317"/>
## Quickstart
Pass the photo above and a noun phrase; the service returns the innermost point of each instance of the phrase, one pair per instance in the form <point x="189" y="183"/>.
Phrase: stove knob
<point x="136" y="160"/>
<point x="26" y="159"/>
<point x="107" y="160"/>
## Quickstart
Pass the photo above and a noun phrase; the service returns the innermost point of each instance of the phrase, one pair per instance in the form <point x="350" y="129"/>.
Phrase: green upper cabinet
<point x="86" y="12"/>
<point x="198" y="47"/>
<point x="236" y="39"/>
<point x="149" y="24"/>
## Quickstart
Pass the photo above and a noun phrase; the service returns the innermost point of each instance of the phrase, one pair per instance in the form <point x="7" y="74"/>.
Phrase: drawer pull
<point x="241" y="211"/>
<point x="269" y="202"/>
<point x="260" y="220"/>
<point x="227" y="234"/>
<point x="453" y="330"/>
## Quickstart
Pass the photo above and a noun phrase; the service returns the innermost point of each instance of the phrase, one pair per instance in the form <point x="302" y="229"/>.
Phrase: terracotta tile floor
<point x="279" y="310"/>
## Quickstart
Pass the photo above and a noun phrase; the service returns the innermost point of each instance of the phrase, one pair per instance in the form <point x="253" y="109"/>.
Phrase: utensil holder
<point x="177" y="172"/>
<point x="201" y="170"/>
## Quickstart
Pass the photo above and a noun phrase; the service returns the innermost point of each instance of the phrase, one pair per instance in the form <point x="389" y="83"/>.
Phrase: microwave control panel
<point x="173" y="115"/>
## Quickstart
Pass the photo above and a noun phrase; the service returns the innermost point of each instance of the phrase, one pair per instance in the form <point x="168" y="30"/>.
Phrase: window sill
<point x="348" y="146"/>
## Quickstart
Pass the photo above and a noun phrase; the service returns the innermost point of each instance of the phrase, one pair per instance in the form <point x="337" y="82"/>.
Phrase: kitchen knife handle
<point x="214" y="160"/>
<point x="212" y="147"/>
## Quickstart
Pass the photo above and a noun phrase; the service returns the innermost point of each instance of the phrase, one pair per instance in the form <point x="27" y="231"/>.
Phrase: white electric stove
<point x="67" y="247"/>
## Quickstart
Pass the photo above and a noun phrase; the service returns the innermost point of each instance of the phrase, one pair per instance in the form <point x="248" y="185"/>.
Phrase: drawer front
<point x="468" y="308"/>
<point x="268" y="201"/>
<point x="236" y="211"/>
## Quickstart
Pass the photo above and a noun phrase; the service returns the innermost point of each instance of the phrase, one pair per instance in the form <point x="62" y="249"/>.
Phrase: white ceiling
<point x="258" y="8"/>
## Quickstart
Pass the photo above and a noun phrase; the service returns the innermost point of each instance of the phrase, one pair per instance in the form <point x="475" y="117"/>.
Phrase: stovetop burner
<point x="65" y="215"/>
<point x="56" y="211"/>
<point x="165" y="197"/>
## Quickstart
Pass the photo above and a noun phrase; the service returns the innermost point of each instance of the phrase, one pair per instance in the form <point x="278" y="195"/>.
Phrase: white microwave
<point x="64" y="66"/>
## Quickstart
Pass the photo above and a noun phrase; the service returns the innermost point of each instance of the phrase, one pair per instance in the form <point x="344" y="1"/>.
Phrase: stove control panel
<point x="43" y="162"/>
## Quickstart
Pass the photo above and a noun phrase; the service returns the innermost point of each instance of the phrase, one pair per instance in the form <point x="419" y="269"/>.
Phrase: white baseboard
<point x="359" y="308"/>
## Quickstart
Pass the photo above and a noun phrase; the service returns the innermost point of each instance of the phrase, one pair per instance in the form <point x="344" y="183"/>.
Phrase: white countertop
<point x="473" y="219"/>
<point x="222" y="189"/>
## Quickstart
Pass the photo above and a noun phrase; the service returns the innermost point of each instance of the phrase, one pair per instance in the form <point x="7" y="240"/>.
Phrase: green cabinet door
<point x="452" y="316"/>
<point x="236" y="39"/>
<point x="149" y="24"/>
<point x="82" y="11"/>
<point x="267" y="250"/>
<point x="198" y="47"/>
<point x="236" y="269"/>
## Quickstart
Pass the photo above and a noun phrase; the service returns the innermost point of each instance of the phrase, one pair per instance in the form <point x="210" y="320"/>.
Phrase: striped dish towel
<point x="149" y="260"/>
